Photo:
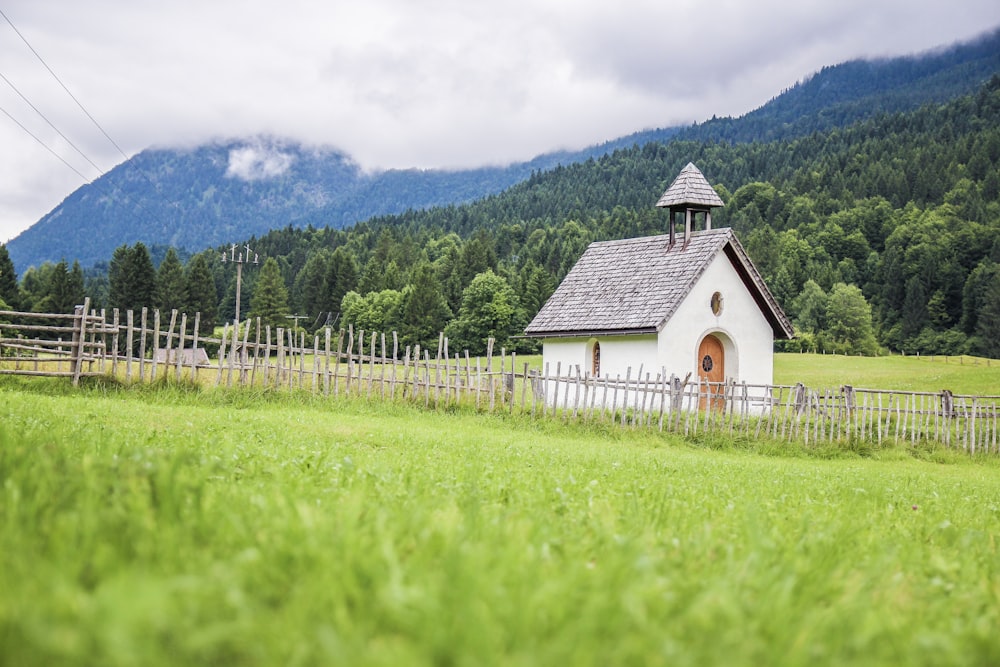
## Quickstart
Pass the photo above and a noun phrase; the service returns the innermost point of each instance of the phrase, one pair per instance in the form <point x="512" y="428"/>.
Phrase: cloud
<point x="440" y="83"/>
<point x="255" y="163"/>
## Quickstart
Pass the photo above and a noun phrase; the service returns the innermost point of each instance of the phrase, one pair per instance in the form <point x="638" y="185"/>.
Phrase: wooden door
<point x="712" y="368"/>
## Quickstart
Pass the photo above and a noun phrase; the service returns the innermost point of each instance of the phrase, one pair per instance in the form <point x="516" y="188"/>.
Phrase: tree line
<point x="882" y="235"/>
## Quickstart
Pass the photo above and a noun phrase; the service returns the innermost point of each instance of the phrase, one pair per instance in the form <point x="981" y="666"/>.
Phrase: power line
<point x="127" y="161"/>
<point x="37" y="111"/>
<point x="45" y="146"/>
<point x="54" y="76"/>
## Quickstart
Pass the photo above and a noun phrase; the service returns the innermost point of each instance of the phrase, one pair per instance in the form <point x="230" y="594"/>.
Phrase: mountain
<point x="230" y="190"/>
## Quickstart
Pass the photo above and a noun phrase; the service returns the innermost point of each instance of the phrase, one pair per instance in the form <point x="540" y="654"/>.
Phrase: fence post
<point x="947" y="414"/>
<point x="156" y="344"/>
<point x="170" y="344"/>
<point x="143" y="323"/>
<point x="256" y="354"/>
<point x="222" y="353"/>
<point x="194" y="346"/>
<point x="316" y="364"/>
<point x="79" y="336"/>
<point x="336" y="363"/>
<point x="129" y="335"/>
<point x="244" y="358"/>
<point x="180" y="345"/>
<point x="489" y="371"/>
<point x="114" y="344"/>
<point x="326" y="361"/>
<point x="382" y="378"/>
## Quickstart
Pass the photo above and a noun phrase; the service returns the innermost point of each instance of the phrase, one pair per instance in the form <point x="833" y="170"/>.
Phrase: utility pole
<point x="239" y="258"/>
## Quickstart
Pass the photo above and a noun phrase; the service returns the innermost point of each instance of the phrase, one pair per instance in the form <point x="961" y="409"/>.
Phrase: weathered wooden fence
<point x="142" y="347"/>
<point x="57" y="345"/>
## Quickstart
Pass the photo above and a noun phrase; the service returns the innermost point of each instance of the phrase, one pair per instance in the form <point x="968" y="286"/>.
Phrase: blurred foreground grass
<point x="165" y="527"/>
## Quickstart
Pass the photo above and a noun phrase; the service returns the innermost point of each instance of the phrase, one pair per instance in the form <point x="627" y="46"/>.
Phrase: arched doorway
<point x="595" y="360"/>
<point x="712" y="369"/>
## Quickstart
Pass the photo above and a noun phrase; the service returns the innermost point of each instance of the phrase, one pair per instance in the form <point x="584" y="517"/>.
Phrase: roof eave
<point x="592" y="333"/>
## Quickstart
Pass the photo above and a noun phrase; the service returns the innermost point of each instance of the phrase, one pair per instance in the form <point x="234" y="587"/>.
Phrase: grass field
<point x="960" y="375"/>
<point x="165" y="526"/>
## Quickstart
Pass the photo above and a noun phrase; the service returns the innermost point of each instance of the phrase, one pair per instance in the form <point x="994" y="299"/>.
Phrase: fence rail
<point x="372" y="365"/>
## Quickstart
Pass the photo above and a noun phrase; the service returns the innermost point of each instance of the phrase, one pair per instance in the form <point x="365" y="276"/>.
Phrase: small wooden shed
<point x="682" y="302"/>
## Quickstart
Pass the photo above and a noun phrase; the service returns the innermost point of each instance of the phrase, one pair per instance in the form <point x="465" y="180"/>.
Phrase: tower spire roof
<point x="690" y="189"/>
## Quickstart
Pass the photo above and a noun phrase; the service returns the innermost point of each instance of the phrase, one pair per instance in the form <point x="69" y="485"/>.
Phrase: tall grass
<point x="176" y="526"/>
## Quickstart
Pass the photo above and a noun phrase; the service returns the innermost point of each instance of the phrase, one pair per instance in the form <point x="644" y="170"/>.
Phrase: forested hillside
<point x="841" y="95"/>
<point x="884" y="234"/>
<point x="192" y="198"/>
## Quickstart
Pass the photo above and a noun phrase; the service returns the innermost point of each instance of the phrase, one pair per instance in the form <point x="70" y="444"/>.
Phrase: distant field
<point x="960" y="375"/>
<point x="163" y="526"/>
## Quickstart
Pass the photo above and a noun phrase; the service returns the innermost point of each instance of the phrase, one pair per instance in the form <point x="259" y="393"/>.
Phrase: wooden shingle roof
<point x="690" y="188"/>
<point x="635" y="285"/>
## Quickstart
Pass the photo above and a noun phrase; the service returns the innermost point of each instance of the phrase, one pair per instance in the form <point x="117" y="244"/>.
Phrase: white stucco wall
<point x="621" y="357"/>
<point x="745" y="332"/>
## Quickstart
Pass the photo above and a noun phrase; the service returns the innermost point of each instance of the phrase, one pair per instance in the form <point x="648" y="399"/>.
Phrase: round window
<point x="707" y="364"/>
<point x="717" y="303"/>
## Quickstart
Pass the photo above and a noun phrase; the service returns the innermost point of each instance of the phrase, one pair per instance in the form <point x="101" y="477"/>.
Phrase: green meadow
<point x="974" y="376"/>
<point x="174" y="525"/>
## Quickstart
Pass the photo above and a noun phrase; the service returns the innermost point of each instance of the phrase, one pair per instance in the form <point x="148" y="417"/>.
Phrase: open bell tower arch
<point x="692" y="195"/>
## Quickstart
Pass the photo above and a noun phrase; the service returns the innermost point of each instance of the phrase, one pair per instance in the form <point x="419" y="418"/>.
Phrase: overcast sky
<point x="410" y="83"/>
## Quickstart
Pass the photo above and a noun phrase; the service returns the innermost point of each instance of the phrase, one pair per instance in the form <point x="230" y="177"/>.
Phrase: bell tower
<point x="690" y="194"/>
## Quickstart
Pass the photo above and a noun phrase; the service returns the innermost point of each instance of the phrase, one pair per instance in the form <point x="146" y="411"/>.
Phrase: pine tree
<point x="373" y="276"/>
<point x="988" y="325"/>
<point x="117" y="278"/>
<point x="64" y="289"/>
<point x="974" y="293"/>
<point x="425" y="311"/>
<point x="170" y="283"/>
<point x="308" y="292"/>
<point x="477" y="256"/>
<point x="131" y="278"/>
<point x="914" y="313"/>
<point x="143" y="277"/>
<point x="75" y="286"/>
<point x="449" y="276"/>
<point x="341" y="278"/>
<point x="538" y="287"/>
<point x="270" y="296"/>
<point x="199" y="294"/>
<point x="9" y="291"/>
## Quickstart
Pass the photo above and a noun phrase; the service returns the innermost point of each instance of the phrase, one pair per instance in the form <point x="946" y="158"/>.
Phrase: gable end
<point x="762" y="296"/>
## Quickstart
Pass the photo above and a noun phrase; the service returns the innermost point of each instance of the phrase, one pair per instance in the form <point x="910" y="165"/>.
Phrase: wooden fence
<point x="371" y="365"/>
